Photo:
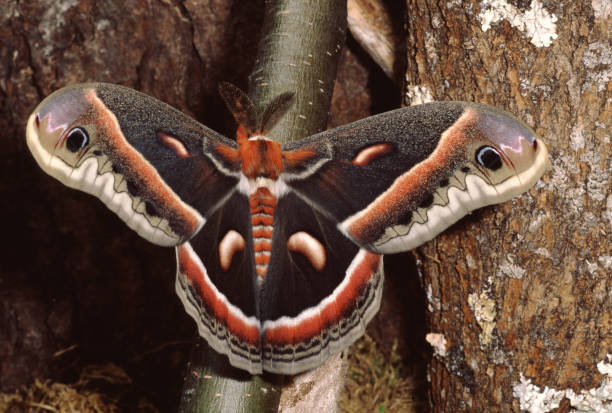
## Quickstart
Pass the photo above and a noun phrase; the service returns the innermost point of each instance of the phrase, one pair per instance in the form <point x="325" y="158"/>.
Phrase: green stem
<point x="213" y="385"/>
<point x="299" y="52"/>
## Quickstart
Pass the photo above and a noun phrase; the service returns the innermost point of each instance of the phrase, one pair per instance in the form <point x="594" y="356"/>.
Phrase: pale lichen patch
<point x="417" y="95"/>
<point x="562" y="183"/>
<point x="534" y="400"/>
<point x="596" y="400"/>
<point x="598" y="59"/>
<point x="471" y="262"/>
<point x="539" y="219"/>
<point x="52" y="19"/>
<point x="608" y="212"/>
<point x="591" y="267"/>
<point x="602" y="9"/>
<point x="438" y="343"/>
<point x="576" y="138"/>
<point x="536" y="23"/>
<point x="509" y="269"/>
<point x="606" y="261"/>
<point x="431" y="49"/>
<point x="485" y="312"/>
<point x="433" y="303"/>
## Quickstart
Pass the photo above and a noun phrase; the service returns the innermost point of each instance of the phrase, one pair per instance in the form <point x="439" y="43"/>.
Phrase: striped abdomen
<point x="262" y="203"/>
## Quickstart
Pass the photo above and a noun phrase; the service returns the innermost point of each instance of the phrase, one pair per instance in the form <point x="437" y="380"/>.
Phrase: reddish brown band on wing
<point x="331" y="313"/>
<point x="367" y="155"/>
<point x="196" y="274"/>
<point x="142" y="170"/>
<point x="173" y="143"/>
<point x="388" y="207"/>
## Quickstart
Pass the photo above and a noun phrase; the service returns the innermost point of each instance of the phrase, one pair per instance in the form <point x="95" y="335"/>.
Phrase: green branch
<point x="299" y="52"/>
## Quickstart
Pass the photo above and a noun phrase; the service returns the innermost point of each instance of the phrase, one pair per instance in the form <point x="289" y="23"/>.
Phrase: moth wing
<point x="316" y="297"/>
<point x="320" y="290"/>
<point x="160" y="171"/>
<point x="217" y="284"/>
<point x="394" y="181"/>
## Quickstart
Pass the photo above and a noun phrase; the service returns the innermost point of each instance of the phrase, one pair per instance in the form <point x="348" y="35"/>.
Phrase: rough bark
<point x="523" y="289"/>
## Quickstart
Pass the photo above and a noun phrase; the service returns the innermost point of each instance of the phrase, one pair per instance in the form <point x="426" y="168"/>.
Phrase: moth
<point x="279" y="247"/>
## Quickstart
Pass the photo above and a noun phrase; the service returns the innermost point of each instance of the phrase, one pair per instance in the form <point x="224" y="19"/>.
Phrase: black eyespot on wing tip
<point x="77" y="139"/>
<point x="489" y="158"/>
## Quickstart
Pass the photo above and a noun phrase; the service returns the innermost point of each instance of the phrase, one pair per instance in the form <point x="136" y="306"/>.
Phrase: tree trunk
<point x="520" y="294"/>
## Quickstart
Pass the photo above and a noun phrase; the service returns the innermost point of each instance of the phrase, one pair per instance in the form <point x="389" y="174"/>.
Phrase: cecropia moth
<point x="279" y="246"/>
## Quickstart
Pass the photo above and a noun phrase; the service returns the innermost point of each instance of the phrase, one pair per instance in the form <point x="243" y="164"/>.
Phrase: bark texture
<point x="523" y="289"/>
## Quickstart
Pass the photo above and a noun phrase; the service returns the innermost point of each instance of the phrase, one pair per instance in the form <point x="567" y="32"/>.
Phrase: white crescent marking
<point x="231" y="243"/>
<point x="308" y="246"/>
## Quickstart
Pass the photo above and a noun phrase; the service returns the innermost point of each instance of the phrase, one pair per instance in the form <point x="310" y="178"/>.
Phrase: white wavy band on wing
<point x="337" y="340"/>
<point x="478" y="193"/>
<point x="86" y="178"/>
<point x="215" y="333"/>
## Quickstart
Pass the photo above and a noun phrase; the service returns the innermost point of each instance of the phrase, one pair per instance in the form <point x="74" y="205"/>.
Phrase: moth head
<point x="60" y="131"/>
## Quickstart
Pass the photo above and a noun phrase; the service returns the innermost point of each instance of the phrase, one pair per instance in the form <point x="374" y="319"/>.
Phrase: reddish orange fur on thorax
<point x="259" y="157"/>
